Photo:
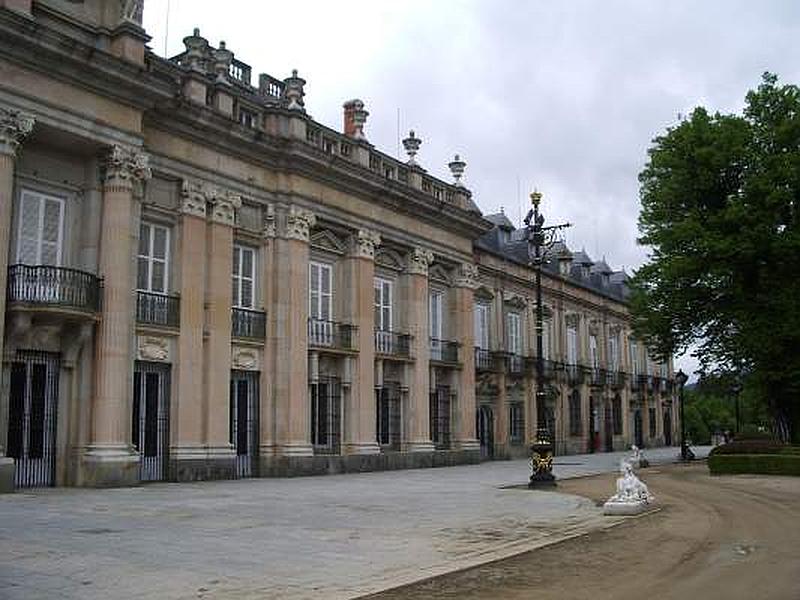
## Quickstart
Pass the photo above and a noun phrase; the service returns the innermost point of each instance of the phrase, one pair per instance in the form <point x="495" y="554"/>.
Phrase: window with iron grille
<point x="326" y="399"/>
<point x="440" y="417"/>
<point x="387" y="416"/>
<point x="243" y="277"/>
<point x="575" y="418"/>
<point x="516" y="422"/>
<point x="651" y="412"/>
<point x="617" y="415"/>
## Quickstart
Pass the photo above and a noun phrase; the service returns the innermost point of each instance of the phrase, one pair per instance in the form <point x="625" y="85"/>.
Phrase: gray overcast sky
<point x="564" y="96"/>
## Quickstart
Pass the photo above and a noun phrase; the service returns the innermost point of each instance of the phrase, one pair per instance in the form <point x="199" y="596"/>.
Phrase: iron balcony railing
<point x="53" y="286"/>
<point x="444" y="350"/>
<point x="615" y="378"/>
<point x="483" y="359"/>
<point x="597" y="377"/>
<point x="158" y="309"/>
<point x="330" y="334"/>
<point x="549" y="367"/>
<point x="515" y="363"/>
<point x="248" y="323"/>
<point x="574" y="374"/>
<point x="393" y="343"/>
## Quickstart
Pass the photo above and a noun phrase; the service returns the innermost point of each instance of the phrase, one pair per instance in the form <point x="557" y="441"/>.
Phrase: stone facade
<point x="202" y="282"/>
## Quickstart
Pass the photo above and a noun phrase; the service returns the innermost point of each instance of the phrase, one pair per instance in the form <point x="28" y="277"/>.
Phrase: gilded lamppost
<point x="540" y="240"/>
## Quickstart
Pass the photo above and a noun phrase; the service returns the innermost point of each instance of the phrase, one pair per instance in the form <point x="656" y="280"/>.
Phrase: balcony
<point x="392" y="343"/>
<point x="615" y="379"/>
<point x="53" y="287"/>
<point x="158" y="309"/>
<point x="515" y="364"/>
<point x="597" y="377"/>
<point x="333" y="335"/>
<point x="574" y="374"/>
<point x="444" y="351"/>
<point x="248" y="324"/>
<point x="483" y="359"/>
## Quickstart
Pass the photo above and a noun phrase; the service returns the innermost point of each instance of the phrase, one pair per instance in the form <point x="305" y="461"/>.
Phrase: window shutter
<point x="28" y="243"/>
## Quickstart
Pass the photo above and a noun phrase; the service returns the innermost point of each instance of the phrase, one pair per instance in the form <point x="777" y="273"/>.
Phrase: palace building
<point x="200" y="281"/>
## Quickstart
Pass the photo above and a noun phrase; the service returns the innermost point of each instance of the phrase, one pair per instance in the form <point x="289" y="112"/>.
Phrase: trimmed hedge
<point x="753" y="447"/>
<point x="761" y="464"/>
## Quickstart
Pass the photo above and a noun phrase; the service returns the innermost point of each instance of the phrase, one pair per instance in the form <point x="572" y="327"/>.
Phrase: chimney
<point x="355" y="117"/>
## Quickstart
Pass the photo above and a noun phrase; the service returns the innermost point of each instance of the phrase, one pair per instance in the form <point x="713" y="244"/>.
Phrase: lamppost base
<point x="541" y="464"/>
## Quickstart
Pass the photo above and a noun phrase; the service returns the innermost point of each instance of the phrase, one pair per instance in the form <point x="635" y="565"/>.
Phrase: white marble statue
<point x="632" y="495"/>
<point x="638" y="460"/>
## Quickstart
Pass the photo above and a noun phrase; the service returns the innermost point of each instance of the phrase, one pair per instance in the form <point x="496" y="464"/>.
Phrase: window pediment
<point x="324" y="239"/>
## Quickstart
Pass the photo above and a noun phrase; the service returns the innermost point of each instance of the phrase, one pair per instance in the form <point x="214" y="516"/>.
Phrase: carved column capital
<point x="123" y="166"/>
<point x="194" y="196"/>
<point x="224" y="204"/>
<point x="14" y="127"/>
<point x="466" y="276"/>
<point x="299" y="222"/>
<point x="364" y="243"/>
<point x="269" y="229"/>
<point x="419" y="259"/>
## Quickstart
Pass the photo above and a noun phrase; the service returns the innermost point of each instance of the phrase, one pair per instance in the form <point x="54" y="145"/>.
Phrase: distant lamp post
<point x="737" y="390"/>
<point x="540" y="240"/>
<point x="681" y="378"/>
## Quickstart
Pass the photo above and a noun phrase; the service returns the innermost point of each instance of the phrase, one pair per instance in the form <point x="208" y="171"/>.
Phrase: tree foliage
<point x="719" y="198"/>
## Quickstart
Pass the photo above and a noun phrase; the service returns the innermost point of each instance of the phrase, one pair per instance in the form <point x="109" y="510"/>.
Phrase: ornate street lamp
<point x="540" y="241"/>
<point x="681" y="378"/>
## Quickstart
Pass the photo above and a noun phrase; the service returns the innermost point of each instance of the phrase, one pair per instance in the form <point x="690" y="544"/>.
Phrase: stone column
<point x="360" y="414"/>
<point x="463" y="313"/>
<point x="219" y="258"/>
<point x="417" y="419"/>
<point x="186" y="425"/>
<point x="14" y="127"/>
<point x="266" y="384"/>
<point x="109" y="459"/>
<point x="501" y="441"/>
<point x="292" y="406"/>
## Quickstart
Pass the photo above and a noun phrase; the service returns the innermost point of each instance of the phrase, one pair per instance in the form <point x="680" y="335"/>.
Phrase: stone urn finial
<point x="355" y="117"/>
<point x="196" y="49"/>
<point x="222" y="62"/>
<point x="412" y="144"/>
<point x="293" y="91"/>
<point x="457" y="169"/>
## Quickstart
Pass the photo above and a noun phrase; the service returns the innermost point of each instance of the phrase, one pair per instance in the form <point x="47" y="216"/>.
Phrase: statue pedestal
<point x="632" y="497"/>
<point x="621" y="508"/>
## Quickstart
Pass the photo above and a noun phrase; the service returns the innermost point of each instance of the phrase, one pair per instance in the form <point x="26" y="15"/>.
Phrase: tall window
<point x="634" y="357"/>
<point x="435" y="302"/>
<point x="153" y="259"/>
<point x="516" y="422"/>
<point x="383" y="304"/>
<point x="513" y="332"/>
<point x="613" y="351"/>
<point x="320" y="291"/>
<point x="616" y="408"/>
<point x="575" y="418"/>
<point x="482" y="325"/>
<point x="546" y="339"/>
<point x="243" y="277"/>
<point x="651" y="416"/>
<point x="572" y="345"/>
<point x="41" y="225"/>
<point x="593" y="351"/>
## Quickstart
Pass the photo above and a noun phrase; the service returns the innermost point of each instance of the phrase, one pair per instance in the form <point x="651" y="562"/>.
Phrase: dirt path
<point x="721" y="537"/>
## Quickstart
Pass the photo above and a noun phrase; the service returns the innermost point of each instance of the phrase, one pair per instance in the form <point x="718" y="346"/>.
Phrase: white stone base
<point x="372" y="448"/>
<point x="296" y="449"/>
<point x="421" y="446"/>
<point x="613" y="508"/>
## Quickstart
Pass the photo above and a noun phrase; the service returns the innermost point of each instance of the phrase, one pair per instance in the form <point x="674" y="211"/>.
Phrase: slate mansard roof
<point x="507" y="242"/>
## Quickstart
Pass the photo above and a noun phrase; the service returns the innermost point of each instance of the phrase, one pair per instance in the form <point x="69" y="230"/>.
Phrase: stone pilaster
<point x="187" y="418"/>
<point x="463" y="318"/>
<point x="109" y="459"/>
<point x="14" y="127"/>
<point x="501" y="441"/>
<point x="418" y="437"/>
<point x="360" y="414"/>
<point x="217" y="347"/>
<point x="267" y="442"/>
<point x="292" y="406"/>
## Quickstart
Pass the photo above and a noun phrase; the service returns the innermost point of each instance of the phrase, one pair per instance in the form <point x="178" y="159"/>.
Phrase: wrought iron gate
<point x="326" y="410"/>
<point x="388" y="416"/>
<point x="33" y="400"/>
<point x="440" y="417"/>
<point x="150" y="419"/>
<point x="485" y="427"/>
<point x="244" y="421"/>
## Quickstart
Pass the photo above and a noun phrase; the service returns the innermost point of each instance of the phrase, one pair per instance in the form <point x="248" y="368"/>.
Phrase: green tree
<point x="719" y="198"/>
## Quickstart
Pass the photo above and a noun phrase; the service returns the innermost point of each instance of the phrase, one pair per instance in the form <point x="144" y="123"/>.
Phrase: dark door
<point x="326" y="401"/>
<point x="33" y="400"/>
<point x="440" y="417"/>
<point x="244" y="421"/>
<point x="388" y="416"/>
<point x="638" y="438"/>
<point x="608" y="425"/>
<point x="485" y="428"/>
<point x="150" y="420"/>
<point x="667" y="427"/>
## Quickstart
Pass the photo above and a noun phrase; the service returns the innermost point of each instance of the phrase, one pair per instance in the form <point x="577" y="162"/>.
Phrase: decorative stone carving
<point x="467" y="276"/>
<point x="14" y="127"/>
<point x="196" y="50"/>
<point x="245" y="359"/>
<point x="572" y="319"/>
<point x="411" y="145"/>
<point x="419" y="259"/>
<point x="269" y="229"/>
<point x="153" y="348"/>
<point x="224" y="208"/>
<point x="222" y="62"/>
<point x="293" y="92"/>
<point x="355" y="117"/>
<point x="457" y="167"/>
<point x="328" y="241"/>
<point x="632" y="495"/>
<point x="194" y="196"/>
<point x="389" y="259"/>
<point x="299" y="222"/>
<point x="365" y="242"/>
<point x="131" y="11"/>
<point x="123" y="166"/>
<point x="638" y="459"/>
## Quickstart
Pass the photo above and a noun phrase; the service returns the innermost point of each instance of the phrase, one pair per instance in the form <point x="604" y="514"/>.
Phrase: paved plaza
<point x="334" y="537"/>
